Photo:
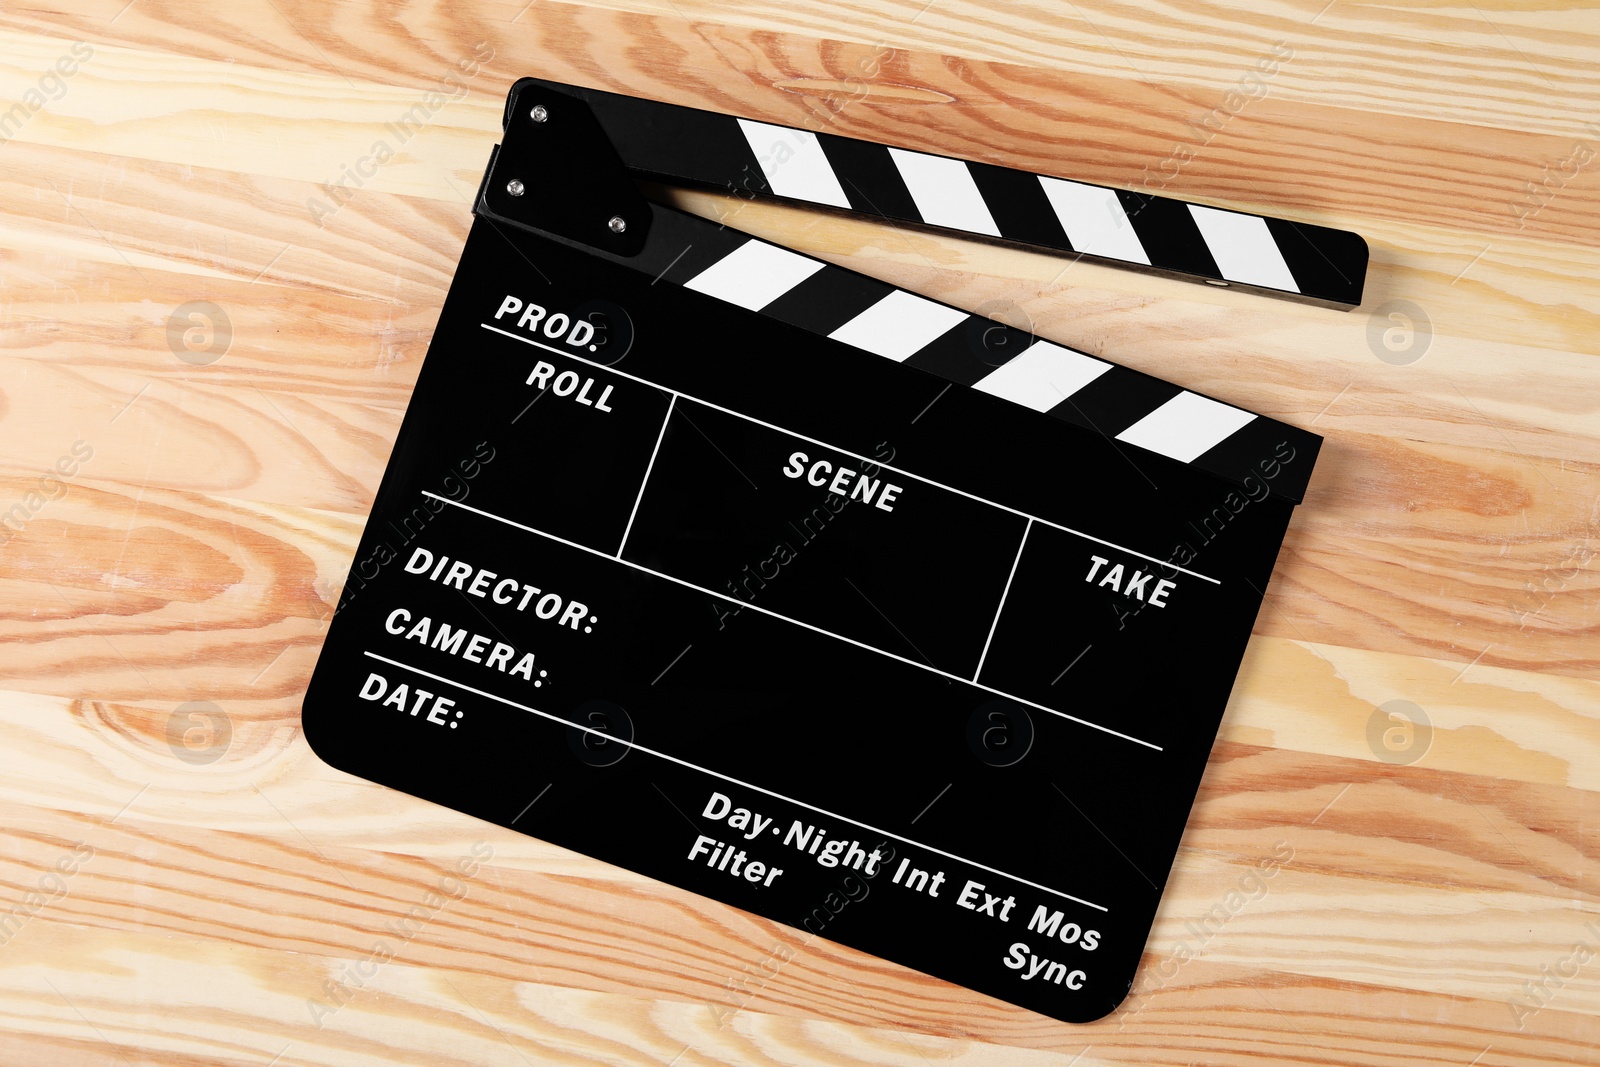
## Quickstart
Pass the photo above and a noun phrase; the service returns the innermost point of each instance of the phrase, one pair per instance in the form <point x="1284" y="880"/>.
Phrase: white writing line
<point x="791" y="433"/>
<point x="610" y="737"/>
<point x="647" y="469"/>
<point x="995" y="625"/>
<point x="796" y="622"/>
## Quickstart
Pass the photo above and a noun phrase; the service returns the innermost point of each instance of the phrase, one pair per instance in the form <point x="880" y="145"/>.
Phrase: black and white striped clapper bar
<point x="816" y="596"/>
<point x="576" y="168"/>
<point x="1277" y="257"/>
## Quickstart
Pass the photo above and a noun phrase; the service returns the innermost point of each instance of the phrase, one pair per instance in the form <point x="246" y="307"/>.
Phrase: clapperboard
<point x="812" y="595"/>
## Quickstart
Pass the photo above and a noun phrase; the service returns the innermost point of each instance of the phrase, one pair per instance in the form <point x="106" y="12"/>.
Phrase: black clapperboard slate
<point x="814" y="596"/>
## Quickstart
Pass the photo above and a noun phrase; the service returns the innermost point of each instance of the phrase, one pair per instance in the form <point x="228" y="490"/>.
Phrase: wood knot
<point x="869" y="92"/>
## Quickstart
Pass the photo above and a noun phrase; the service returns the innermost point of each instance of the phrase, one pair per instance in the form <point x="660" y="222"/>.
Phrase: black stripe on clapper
<point x="1169" y="234"/>
<point x="1018" y="206"/>
<point x="1326" y="263"/>
<point x="827" y="300"/>
<point x="681" y="246"/>
<point x="702" y="148"/>
<point x="971" y="350"/>
<point x="869" y="178"/>
<point x="1114" y="401"/>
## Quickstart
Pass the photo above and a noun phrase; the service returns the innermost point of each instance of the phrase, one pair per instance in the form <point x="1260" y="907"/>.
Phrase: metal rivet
<point x="538" y="114"/>
<point x="618" y="224"/>
<point x="515" y="187"/>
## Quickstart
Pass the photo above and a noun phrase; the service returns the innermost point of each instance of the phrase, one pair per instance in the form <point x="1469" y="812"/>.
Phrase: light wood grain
<point x="1443" y="555"/>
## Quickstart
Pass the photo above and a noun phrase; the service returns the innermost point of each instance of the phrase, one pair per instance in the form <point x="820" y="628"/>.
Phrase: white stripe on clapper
<point x="794" y="163"/>
<point x="1186" y="426"/>
<point x="1244" y="248"/>
<point x="1094" y="220"/>
<point x="754" y="274"/>
<point x="944" y="192"/>
<point x="899" y="326"/>
<point x="1043" y="376"/>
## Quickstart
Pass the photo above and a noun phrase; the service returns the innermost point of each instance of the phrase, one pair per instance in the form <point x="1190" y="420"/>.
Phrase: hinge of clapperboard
<point x="570" y="157"/>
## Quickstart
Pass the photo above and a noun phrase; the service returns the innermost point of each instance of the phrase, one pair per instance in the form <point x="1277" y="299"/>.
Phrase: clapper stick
<point x="560" y="171"/>
<point x="1153" y="234"/>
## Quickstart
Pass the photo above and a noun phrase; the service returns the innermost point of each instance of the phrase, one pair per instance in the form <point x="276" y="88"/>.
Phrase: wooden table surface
<point x="215" y="294"/>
